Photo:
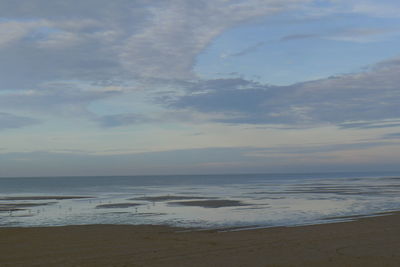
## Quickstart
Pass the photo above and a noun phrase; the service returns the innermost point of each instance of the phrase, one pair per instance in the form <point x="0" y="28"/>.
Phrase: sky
<point x="133" y="87"/>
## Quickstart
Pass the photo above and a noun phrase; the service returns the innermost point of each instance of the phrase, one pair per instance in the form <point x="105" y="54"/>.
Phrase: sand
<point x="371" y="241"/>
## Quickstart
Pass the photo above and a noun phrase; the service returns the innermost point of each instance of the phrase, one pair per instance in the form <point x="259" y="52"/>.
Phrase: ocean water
<point x="199" y="201"/>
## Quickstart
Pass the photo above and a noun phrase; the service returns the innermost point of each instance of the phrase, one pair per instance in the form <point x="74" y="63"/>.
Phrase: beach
<point x="193" y="201"/>
<point x="372" y="241"/>
<point x="242" y="220"/>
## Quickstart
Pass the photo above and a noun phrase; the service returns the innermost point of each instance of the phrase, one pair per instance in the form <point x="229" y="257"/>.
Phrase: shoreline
<point x="324" y="220"/>
<point x="367" y="241"/>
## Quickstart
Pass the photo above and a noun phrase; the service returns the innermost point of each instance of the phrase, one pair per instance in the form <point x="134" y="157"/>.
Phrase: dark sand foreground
<point x="366" y="242"/>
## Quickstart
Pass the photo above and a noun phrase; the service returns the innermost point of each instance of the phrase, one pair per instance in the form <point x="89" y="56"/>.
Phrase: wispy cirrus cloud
<point x="132" y="40"/>
<point x="347" y="34"/>
<point x="359" y="35"/>
<point x="293" y="37"/>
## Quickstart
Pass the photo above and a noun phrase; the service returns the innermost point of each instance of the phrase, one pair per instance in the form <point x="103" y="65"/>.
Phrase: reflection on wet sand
<point x="7" y="207"/>
<point x="213" y="203"/>
<point x="42" y="197"/>
<point x="117" y="205"/>
<point x="168" y="198"/>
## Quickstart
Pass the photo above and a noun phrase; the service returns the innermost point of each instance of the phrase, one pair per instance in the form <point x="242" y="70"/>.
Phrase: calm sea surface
<point x="201" y="201"/>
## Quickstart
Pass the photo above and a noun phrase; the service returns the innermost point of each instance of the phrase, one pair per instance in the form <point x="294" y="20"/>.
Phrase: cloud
<point x="374" y="9"/>
<point x="116" y="41"/>
<point x="319" y="157"/>
<point x="121" y="41"/>
<point x="183" y="29"/>
<point x="318" y="148"/>
<point x="383" y="9"/>
<point x="367" y="96"/>
<point x="57" y="57"/>
<point x="13" y="31"/>
<point x="54" y="54"/>
<point x="299" y="37"/>
<point x="55" y="98"/>
<point x="117" y="120"/>
<point x="371" y="124"/>
<point x="9" y="121"/>
<point x="391" y="136"/>
<point x="359" y="35"/>
<point x="245" y="51"/>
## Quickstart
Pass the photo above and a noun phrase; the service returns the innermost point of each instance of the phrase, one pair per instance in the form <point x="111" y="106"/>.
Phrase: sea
<point x="235" y="201"/>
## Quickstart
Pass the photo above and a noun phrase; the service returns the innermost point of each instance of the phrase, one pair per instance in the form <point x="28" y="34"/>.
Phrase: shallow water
<point x="201" y="201"/>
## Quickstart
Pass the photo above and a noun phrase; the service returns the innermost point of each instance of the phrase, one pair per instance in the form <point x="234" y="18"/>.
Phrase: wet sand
<point x="371" y="241"/>
<point x="43" y="197"/>
<point x="219" y="203"/>
<point x="118" y="205"/>
<point x="168" y="198"/>
<point x="7" y="207"/>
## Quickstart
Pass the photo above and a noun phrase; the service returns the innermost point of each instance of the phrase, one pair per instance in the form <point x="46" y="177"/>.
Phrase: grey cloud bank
<point x="371" y="124"/>
<point x="391" y="136"/>
<point x="9" y="121"/>
<point x="315" y="158"/>
<point x="118" y="120"/>
<point x="367" y="96"/>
